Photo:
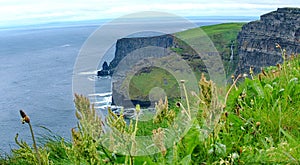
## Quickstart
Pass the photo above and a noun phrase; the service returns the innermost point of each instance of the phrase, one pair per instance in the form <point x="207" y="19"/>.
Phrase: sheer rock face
<point x="257" y="40"/>
<point x="125" y="46"/>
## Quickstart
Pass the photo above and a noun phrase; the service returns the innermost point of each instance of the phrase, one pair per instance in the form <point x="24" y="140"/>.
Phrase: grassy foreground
<point x="256" y="121"/>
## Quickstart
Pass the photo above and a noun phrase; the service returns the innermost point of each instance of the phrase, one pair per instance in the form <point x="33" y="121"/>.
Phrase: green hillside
<point x="222" y="36"/>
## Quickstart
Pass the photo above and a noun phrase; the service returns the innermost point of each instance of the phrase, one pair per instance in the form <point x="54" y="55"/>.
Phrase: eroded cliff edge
<point x="257" y="40"/>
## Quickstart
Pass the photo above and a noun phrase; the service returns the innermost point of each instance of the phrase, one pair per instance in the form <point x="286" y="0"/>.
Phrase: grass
<point x="141" y="84"/>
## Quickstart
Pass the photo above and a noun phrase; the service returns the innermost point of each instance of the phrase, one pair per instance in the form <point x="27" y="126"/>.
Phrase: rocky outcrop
<point x="257" y="40"/>
<point x="105" y="71"/>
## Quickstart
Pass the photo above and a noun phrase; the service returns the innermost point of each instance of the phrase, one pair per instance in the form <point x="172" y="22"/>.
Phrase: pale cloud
<point x="12" y="11"/>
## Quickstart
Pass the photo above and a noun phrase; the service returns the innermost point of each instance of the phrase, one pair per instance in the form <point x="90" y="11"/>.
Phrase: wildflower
<point x="245" y="75"/>
<point x="235" y="155"/>
<point x="232" y="77"/>
<point x="284" y="53"/>
<point x="263" y="72"/>
<point x="241" y="150"/>
<point x="259" y="77"/>
<point x="292" y="56"/>
<point x="279" y="66"/>
<point x="178" y="104"/>
<point x="251" y="70"/>
<point x="138" y="109"/>
<point x="226" y="114"/>
<point x="257" y="124"/>
<point x="26" y="119"/>
<point x="158" y="139"/>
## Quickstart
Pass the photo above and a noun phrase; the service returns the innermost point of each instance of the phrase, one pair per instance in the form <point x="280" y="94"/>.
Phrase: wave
<point x="100" y="94"/>
<point x="106" y="100"/>
<point x="92" y="78"/>
<point x="101" y="107"/>
<point x="88" y="73"/>
<point x="66" y="45"/>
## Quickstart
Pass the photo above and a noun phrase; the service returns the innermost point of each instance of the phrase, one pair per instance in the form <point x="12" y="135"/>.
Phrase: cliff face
<point x="125" y="46"/>
<point x="257" y="39"/>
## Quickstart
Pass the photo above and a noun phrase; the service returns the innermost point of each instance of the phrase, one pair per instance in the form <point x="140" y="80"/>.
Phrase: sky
<point x="18" y="12"/>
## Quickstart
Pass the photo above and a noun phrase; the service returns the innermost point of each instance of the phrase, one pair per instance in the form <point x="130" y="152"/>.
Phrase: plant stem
<point x="279" y="122"/>
<point x="187" y="100"/>
<point x="34" y="144"/>
<point x="227" y="94"/>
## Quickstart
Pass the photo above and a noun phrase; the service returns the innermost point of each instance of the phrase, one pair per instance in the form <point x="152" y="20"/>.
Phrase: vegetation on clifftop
<point x="222" y="36"/>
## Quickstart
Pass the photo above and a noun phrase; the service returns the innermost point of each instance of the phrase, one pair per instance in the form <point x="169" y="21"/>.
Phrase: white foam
<point x="106" y="101"/>
<point x="92" y="78"/>
<point x="101" y="107"/>
<point x="100" y="94"/>
<point x="88" y="73"/>
<point x="64" y="46"/>
<point x="99" y="102"/>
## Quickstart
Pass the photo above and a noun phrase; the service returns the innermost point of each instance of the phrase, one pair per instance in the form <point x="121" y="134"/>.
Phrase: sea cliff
<point x="257" y="40"/>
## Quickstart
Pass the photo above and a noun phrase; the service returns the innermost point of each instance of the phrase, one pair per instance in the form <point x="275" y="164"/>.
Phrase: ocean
<point x="36" y="69"/>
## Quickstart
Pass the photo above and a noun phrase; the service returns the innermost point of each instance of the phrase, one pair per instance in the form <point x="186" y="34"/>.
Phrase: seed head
<point x="251" y="70"/>
<point x="226" y="114"/>
<point x="257" y="124"/>
<point x="25" y="118"/>
<point x="278" y="66"/>
<point x="263" y="72"/>
<point x="178" y="104"/>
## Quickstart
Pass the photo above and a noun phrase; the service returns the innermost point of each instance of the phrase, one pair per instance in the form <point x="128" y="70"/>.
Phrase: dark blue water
<point x="36" y="67"/>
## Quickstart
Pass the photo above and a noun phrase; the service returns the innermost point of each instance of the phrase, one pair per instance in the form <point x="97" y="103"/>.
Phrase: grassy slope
<point x="141" y="84"/>
<point x="260" y="125"/>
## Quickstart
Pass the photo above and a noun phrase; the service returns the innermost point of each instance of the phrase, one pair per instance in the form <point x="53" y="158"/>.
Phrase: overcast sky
<point x="41" y="11"/>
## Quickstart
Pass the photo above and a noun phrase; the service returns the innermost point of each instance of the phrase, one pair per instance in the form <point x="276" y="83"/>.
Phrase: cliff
<point x="257" y="40"/>
<point x="130" y="51"/>
<point x="124" y="46"/>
